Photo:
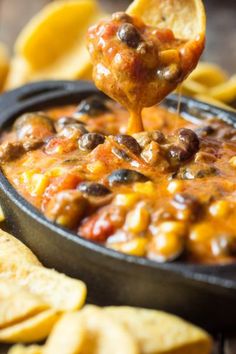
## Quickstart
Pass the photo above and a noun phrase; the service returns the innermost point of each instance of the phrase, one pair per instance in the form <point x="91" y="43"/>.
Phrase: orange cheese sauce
<point x="167" y="193"/>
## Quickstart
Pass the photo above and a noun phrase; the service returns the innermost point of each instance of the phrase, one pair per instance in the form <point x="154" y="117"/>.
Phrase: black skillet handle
<point x="195" y="111"/>
<point x="38" y="94"/>
<point x="35" y="90"/>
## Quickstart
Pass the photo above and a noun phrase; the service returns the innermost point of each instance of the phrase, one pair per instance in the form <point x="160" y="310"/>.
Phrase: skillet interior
<point x="181" y="288"/>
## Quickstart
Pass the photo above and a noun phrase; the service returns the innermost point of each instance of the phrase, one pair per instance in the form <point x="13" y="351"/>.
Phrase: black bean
<point x="73" y="131"/>
<point x="170" y="73"/>
<point x="189" y="139"/>
<point x="92" y="106"/>
<point x="129" y="35"/>
<point x="121" y="154"/>
<point x="125" y="176"/>
<point x="204" y="131"/>
<point x="93" y="189"/>
<point x="129" y="142"/>
<point x="89" y="141"/>
<point x="209" y="171"/>
<point x="158" y="136"/>
<point x="195" y="171"/>
<point x="63" y="121"/>
<point x="176" y="154"/>
<point x="33" y="125"/>
<point x="121" y="16"/>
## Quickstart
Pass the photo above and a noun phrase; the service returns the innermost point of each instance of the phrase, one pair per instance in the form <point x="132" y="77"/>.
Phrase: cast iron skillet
<point x="205" y="295"/>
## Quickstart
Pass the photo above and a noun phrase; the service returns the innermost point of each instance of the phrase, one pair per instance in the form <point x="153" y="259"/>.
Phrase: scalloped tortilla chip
<point x="68" y="335"/>
<point x="186" y="18"/>
<point x="17" y="304"/>
<point x="53" y="43"/>
<point x="18" y="264"/>
<point x="20" y="349"/>
<point x="31" y="330"/>
<point x="59" y="291"/>
<point x="106" y="335"/>
<point x="4" y="64"/>
<point x="19" y="73"/>
<point x="208" y="74"/>
<point x="159" y="332"/>
<point x="14" y="254"/>
<point x="226" y="91"/>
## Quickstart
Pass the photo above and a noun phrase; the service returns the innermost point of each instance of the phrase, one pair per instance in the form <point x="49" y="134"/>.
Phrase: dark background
<point x="220" y="49"/>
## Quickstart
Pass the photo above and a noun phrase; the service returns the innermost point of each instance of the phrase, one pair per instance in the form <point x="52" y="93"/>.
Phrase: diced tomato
<point x="60" y="145"/>
<point x="108" y="31"/>
<point x="69" y="181"/>
<point x="165" y="35"/>
<point x="100" y="226"/>
<point x="97" y="228"/>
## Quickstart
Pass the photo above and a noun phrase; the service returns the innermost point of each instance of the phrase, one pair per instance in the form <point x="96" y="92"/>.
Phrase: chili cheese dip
<point x="138" y="65"/>
<point x="166" y="193"/>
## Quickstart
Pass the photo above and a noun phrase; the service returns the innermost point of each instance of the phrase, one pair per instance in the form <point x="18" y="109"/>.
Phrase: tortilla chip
<point x="20" y="349"/>
<point x="67" y="337"/>
<point x="105" y="335"/>
<point x="53" y="43"/>
<point x="4" y="64"/>
<point x="14" y="254"/>
<point x="19" y="73"/>
<point x="60" y="292"/>
<point x="17" y="304"/>
<point x="31" y="330"/>
<point x="158" y="332"/>
<point x="186" y="18"/>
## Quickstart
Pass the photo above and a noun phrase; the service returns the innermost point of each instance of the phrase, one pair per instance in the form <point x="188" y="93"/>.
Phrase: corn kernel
<point x="137" y="220"/>
<point x="126" y="200"/>
<point x="63" y="220"/>
<point x="202" y="232"/>
<point x="232" y="161"/>
<point x="176" y="227"/>
<point x="39" y="183"/>
<point x="58" y="149"/>
<point x="184" y="215"/>
<point x="135" y="247"/>
<point x="56" y="172"/>
<point x="169" y="56"/>
<point x="168" y="245"/>
<point x="175" y="187"/>
<point x="96" y="167"/>
<point x="146" y="188"/>
<point x="26" y="177"/>
<point x="2" y="216"/>
<point x="221" y="208"/>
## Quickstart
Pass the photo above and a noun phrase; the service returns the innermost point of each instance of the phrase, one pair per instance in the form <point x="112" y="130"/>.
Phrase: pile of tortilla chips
<point x="32" y="298"/>
<point x="38" y="303"/>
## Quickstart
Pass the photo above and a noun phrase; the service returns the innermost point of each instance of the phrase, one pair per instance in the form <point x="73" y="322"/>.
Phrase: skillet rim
<point x="198" y="272"/>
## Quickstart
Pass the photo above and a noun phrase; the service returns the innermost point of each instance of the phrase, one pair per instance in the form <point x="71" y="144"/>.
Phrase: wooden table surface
<point x="221" y="49"/>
